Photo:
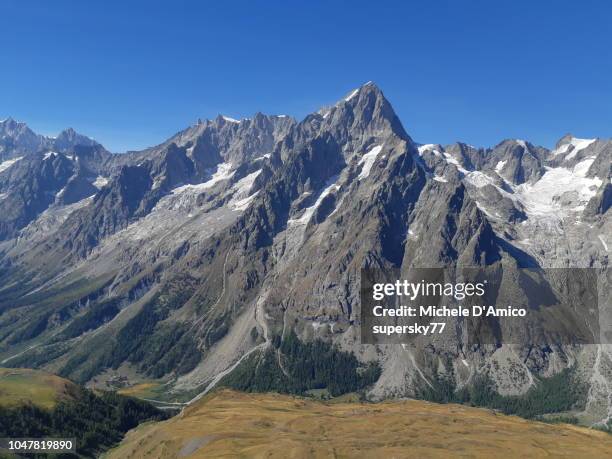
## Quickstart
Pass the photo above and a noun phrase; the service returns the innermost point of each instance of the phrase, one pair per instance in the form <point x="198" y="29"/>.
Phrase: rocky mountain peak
<point x="10" y="127"/>
<point x="519" y="161"/>
<point x="368" y="105"/>
<point x="17" y="139"/>
<point x="362" y="119"/>
<point x="567" y="138"/>
<point x="7" y="122"/>
<point x="69" y="138"/>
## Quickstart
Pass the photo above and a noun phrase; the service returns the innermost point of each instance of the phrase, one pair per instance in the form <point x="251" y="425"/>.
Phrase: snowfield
<point x="4" y="165"/>
<point x="367" y="161"/>
<point x="308" y="212"/>
<point x="540" y="198"/>
<point x="578" y="144"/>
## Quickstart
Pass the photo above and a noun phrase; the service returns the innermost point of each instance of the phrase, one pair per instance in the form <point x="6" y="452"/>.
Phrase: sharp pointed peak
<point x="12" y="121"/>
<point x="567" y="138"/>
<point x="369" y="87"/>
<point x="68" y="133"/>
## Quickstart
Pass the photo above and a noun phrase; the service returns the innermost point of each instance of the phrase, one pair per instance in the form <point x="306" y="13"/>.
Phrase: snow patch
<point x="60" y="193"/>
<point x="367" y="161"/>
<point x="500" y="165"/>
<point x="223" y="172"/>
<point x="451" y="160"/>
<point x="522" y="143"/>
<point x="583" y="167"/>
<point x="423" y="148"/>
<point x="439" y="178"/>
<point x="243" y="204"/>
<point x="308" y="212"/>
<point x="603" y="242"/>
<point x="100" y="182"/>
<point x="243" y="186"/>
<point x="316" y="325"/>
<point x="479" y="179"/>
<point x="231" y="120"/>
<point x="351" y="95"/>
<point x="492" y="216"/>
<point x="429" y="147"/>
<point x="241" y="199"/>
<point x="4" y="165"/>
<point x="578" y="144"/>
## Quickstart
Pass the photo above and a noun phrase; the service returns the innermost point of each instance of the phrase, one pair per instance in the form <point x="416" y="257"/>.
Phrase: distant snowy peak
<point x="17" y="139"/>
<point x="69" y="138"/>
<point x="9" y="125"/>
<point x="571" y="146"/>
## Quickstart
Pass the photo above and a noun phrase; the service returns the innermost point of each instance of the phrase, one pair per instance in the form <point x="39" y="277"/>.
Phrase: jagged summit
<point x="364" y="109"/>
<point x="228" y="119"/>
<point x="563" y="140"/>
<point x="9" y="124"/>
<point x="511" y="143"/>
<point x="69" y="138"/>
<point x="18" y="140"/>
<point x="222" y="119"/>
<point x="570" y="146"/>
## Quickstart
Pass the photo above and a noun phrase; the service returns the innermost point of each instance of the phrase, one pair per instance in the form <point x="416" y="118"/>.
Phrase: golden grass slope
<point x="142" y="390"/>
<point x="232" y="424"/>
<point x="19" y="386"/>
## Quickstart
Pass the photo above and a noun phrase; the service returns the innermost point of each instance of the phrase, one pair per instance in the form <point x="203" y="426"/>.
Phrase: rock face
<point x="188" y="260"/>
<point x="30" y="188"/>
<point x="601" y="202"/>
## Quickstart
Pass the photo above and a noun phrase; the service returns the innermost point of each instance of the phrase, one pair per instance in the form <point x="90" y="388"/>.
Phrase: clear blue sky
<point x="131" y="73"/>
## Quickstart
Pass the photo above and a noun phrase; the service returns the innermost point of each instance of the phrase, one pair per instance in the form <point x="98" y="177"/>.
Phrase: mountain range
<point x="230" y="254"/>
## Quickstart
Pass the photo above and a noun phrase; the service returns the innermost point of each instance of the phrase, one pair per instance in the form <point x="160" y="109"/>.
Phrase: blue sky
<point x="132" y="73"/>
